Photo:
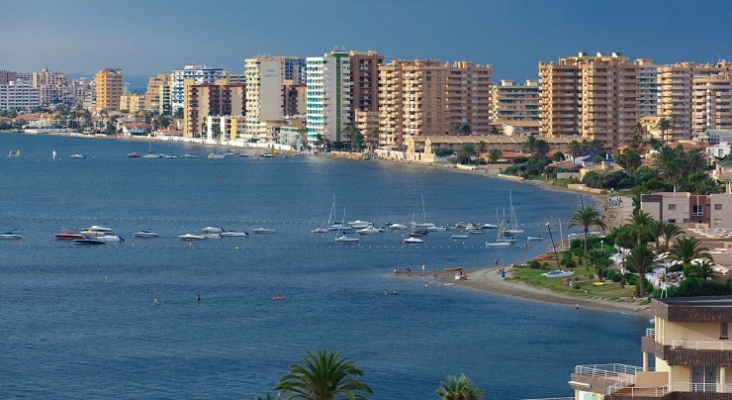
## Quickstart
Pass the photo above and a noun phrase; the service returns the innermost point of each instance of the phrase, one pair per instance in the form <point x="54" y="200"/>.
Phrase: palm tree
<point x="459" y="388"/>
<point x="323" y="376"/>
<point x="641" y="259"/>
<point x="641" y="222"/>
<point x="704" y="270"/>
<point x="670" y="231"/>
<point x="494" y="155"/>
<point x="600" y="258"/>
<point x="663" y="125"/>
<point x="465" y="129"/>
<point x="688" y="248"/>
<point x="267" y="396"/>
<point x="574" y="149"/>
<point x="586" y="217"/>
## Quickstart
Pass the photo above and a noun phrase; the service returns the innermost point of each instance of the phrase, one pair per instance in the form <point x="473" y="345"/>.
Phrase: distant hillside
<point x="138" y="83"/>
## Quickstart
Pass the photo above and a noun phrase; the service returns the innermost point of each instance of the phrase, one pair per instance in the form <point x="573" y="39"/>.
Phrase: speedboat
<point x="88" y="242"/>
<point x="103" y="229"/>
<point x="77" y="156"/>
<point x="475" y="231"/>
<point x="397" y="227"/>
<point x="188" y="155"/>
<point x="534" y="238"/>
<point x="412" y="240"/>
<point x="211" y="229"/>
<point x="358" y="224"/>
<point x="369" y="230"/>
<point x="234" y="234"/>
<point x="436" y="228"/>
<point x="189" y="237"/>
<point x="212" y="235"/>
<point x="69" y="235"/>
<point x="319" y="230"/>
<point x="110" y="238"/>
<point x="497" y="244"/>
<point x="133" y="155"/>
<point x="10" y="235"/>
<point x="152" y="155"/>
<point x="346" y="239"/>
<point x="90" y="233"/>
<point x="263" y="231"/>
<point x="490" y="226"/>
<point x="458" y="236"/>
<point x="145" y="233"/>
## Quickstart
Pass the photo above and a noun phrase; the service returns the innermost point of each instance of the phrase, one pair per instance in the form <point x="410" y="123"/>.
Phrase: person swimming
<point x="157" y="301"/>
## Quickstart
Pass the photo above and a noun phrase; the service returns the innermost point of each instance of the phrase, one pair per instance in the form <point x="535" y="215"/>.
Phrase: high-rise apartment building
<point x="513" y="102"/>
<point x="712" y="102"/>
<point x="675" y="100"/>
<point x="426" y="98"/>
<point x="210" y="99"/>
<point x="132" y="102"/>
<point x="648" y="87"/>
<point x="264" y="79"/>
<point x="365" y="77"/>
<point x="328" y="96"/>
<point x="6" y="77"/>
<point x="200" y="74"/>
<point x="53" y="87"/>
<point x="108" y="84"/>
<point x="152" y="94"/>
<point x="18" y="96"/>
<point x="593" y="97"/>
<point x="295" y="98"/>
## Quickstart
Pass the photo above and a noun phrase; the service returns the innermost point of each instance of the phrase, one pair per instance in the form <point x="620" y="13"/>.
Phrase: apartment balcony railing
<point x="721" y="345"/>
<point x="650" y="332"/>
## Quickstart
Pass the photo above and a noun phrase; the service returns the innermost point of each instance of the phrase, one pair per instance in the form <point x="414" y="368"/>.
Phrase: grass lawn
<point x="581" y="277"/>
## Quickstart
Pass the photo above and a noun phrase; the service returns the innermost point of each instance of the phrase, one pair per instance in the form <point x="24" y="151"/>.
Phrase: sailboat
<point x="330" y="220"/>
<point x="342" y="237"/>
<point x="150" y="153"/>
<point x="424" y="224"/>
<point x="512" y="215"/>
<point x="332" y="225"/>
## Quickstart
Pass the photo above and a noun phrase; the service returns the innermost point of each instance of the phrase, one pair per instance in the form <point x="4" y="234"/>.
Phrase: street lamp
<point x="553" y="245"/>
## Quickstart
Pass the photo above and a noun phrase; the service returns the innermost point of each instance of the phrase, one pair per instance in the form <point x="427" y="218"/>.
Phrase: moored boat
<point x="212" y="235"/>
<point x="319" y="230"/>
<point x="397" y="227"/>
<point x="458" y="236"/>
<point x="189" y="237"/>
<point x="534" y="238"/>
<point x="77" y="156"/>
<point x="261" y="231"/>
<point x="211" y="229"/>
<point x="69" y="235"/>
<point x="412" y="240"/>
<point x="10" y="235"/>
<point x="558" y="273"/>
<point x="234" y="234"/>
<point x="110" y="238"/>
<point x="145" y="233"/>
<point x="133" y="155"/>
<point x="88" y="242"/>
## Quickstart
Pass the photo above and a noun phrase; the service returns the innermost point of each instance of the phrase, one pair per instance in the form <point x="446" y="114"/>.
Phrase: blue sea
<point x="79" y="322"/>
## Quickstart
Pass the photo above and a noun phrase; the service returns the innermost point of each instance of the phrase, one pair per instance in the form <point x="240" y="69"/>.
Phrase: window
<point x="723" y="331"/>
<point x="697" y="211"/>
<point x="717" y="221"/>
<point x="672" y="207"/>
<point x="672" y="220"/>
<point x="717" y="206"/>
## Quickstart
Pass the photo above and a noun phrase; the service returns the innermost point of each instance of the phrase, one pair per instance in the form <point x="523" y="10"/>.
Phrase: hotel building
<point x="592" y="97"/>
<point x="424" y="97"/>
<point x="328" y="97"/>
<point x="691" y="348"/>
<point x="108" y="84"/>
<point x="200" y="74"/>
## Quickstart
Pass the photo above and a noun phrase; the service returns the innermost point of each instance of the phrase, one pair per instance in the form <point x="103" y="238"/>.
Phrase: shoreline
<point x="487" y="279"/>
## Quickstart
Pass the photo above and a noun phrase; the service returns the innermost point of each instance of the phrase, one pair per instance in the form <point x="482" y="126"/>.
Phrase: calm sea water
<point x="79" y="322"/>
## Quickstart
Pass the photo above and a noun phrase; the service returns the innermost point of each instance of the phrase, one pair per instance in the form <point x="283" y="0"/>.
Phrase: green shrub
<point x="534" y="264"/>
<point x="577" y="286"/>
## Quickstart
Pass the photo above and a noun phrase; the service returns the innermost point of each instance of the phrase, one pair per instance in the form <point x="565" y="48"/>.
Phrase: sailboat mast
<point x="561" y="235"/>
<point x="424" y="213"/>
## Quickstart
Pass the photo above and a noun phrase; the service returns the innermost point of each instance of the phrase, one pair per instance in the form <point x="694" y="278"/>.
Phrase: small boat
<point x="152" y="155"/>
<point x="211" y="229"/>
<point x="188" y="155"/>
<point x="90" y="233"/>
<point x="189" y="237"/>
<point x="475" y="231"/>
<point x="77" y="156"/>
<point x="261" y="231"/>
<point x="458" y="236"/>
<point x="133" y="155"/>
<point x="145" y="233"/>
<point x="103" y="229"/>
<point x="490" y="226"/>
<point x="69" y="235"/>
<point x="234" y="234"/>
<point x="416" y="234"/>
<point x="436" y="228"/>
<point x="212" y="236"/>
<point x="497" y="244"/>
<point x="449" y="269"/>
<point x="170" y="156"/>
<point x="10" y="235"/>
<point x="216" y="156"/>
<point x="534" y="238"/>
<point x="278" y="297"/>
<point x="369" y="230"/>
<point x="88" y="242"/>
<point x="397" y="227"/>
<point x="412" y="240"/>
<point x="319" y="230"/>
<point x="358" y="224"/>
<point x="109" y="238"/>
<point x="345" y="239"/>
<point x="558" y="273"/>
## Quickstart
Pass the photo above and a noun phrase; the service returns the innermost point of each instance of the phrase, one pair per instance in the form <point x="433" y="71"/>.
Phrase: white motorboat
<point x="397" y="227"/>
<point x="90" y="233"/>
<point x="212" y="235"/>
<point x="88" y="242"/>
<point x="234" y="234"/>
<point x="212" y="229"/>
<point x="319" y="230"/>
<point x="358" y="224"/>
<point x="188" y="155"/>
<point x="490" y="226"/>
<point x="436" y="228"/>
<point x="261" y="231"/>
<point x="475" y="231"/>
<point x="412" y="240"/>
<point x="534" y="238"/>
<point x="459" y="236"/>
<point x="104" y="229"/>
<point x="460" y="225"/>
<point x="145" y="233"/>
<point x="346" y="239"/>
<point x="110" y="238"/>
<point x="369" y="230"/>
<point x="188" y="237"/>
<point x="558" y="273"/>
<point x="497" y="244"/>
<point x="77" y="156"/>
<point x="10" y="235"/>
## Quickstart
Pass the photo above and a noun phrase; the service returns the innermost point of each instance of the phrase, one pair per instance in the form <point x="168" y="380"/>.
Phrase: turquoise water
<point x="80" y="323"/>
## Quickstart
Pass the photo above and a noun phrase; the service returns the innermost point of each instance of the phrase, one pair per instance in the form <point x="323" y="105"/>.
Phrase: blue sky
<point x="145" y="37"/>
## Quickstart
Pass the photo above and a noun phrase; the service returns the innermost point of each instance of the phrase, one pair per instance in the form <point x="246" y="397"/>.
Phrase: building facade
<point x="511" y="102"/>
<point x="210" y="100"/>
<point x="713" y="210"/>
<point x="108" y="83"/>
<point x="18" y="96"/>
<point x="132" y="102"/>
<point x="152" y="94"/>
<point x="647" y="87"/>
<point x="593" y="97"/>
<point x="711" y="103"/>
<point x="54" y="87"/>
<point x="365" y="77"/>
<point x="265" y="76"/>
<point x="200" y="74"/>
<point x="328" y="97"/>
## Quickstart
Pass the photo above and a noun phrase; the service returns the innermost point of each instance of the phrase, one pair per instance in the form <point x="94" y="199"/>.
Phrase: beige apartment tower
<point x="712" y="102"/>
<point x="513" y="102"/>
<point x="592" y="97"/>
<point x="210" y="99"/>
<point x="109" y="89"/>
<point x="426" y="98"/>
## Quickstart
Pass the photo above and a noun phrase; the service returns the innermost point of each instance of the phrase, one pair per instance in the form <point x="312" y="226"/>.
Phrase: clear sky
<point x="146" y="37"/>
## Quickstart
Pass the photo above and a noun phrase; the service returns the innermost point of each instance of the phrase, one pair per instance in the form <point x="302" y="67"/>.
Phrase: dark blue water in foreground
<point x="79" y="322"/>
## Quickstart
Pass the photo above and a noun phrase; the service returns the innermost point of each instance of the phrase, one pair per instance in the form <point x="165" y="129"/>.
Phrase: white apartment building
<point x="16" y="96"/>
<point x="328" y="96"/>
<point x="264" y="102"/>
<point x="199" y="73"/>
